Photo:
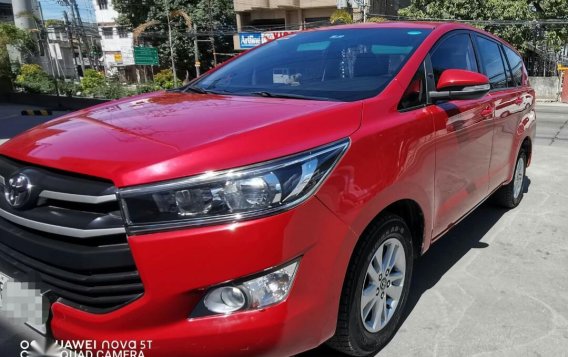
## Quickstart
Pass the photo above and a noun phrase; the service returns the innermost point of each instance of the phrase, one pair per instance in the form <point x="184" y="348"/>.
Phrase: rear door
<point x="464" y="135"/>
<point x="512" y="101"/>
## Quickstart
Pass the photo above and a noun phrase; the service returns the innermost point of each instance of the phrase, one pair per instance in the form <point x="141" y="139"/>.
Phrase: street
<point x="494" y="286"/>
<point x="12" y="121"/>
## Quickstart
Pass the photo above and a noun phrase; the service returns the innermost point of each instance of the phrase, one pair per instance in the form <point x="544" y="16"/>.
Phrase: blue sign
<point x="250" y="39"/>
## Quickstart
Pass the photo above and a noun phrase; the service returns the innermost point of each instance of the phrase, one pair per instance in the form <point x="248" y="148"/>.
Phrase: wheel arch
<point x="411" y="212"/>
<point x="526" y="145"/>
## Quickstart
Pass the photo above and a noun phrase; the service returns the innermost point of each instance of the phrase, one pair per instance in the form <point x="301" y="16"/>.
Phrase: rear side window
<point x="516" y="63"/>
<point x="455" y="52"/>
<point x="492" y="62"/>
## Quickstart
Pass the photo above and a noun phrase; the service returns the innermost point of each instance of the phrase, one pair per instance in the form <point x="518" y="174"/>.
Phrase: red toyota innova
<point x="275" y="203"/>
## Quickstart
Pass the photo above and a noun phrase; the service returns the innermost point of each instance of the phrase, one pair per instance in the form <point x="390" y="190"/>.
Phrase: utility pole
<point x="70" y="35"/>
<point x="74" y="20"/>
<point x="212" y="37"/>
<point x="83" y="34"/>
<point x="171" y="43"/>
<point x="43" y="32"/>
<point x="196" y="51"/>
<point x="78" y="25"/>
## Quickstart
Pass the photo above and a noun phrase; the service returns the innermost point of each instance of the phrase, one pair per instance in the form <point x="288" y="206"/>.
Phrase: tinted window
<point x="516" y="63"/>
<point x="492" y="62"/>
<point x="345" y="65"/>
<point x="415" y="94"/>
<point x="455" y="52"/>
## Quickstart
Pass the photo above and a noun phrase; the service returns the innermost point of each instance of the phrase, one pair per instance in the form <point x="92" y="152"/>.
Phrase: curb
<point x="37" y="112"/>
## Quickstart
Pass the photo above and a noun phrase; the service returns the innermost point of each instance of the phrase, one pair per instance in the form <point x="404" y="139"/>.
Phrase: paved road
<point x="552" y="128"/>
<point x="496" y="285"/>
<point x="12" y="122"/>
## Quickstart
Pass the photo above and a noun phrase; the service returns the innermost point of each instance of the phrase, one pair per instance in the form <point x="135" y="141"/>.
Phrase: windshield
<point x="342" y="65"/>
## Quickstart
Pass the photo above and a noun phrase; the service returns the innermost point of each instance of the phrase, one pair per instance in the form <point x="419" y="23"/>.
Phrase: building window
<point x="107" y="32"/>
<point x="122" y="32"/>
<point x="103" y="4"/>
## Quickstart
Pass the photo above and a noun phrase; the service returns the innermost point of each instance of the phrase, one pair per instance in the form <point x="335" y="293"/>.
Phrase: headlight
<point x="231" y="195"/>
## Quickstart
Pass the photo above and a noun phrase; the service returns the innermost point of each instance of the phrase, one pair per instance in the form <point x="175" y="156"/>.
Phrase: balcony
<point x="284" y="3"/>
<point x="259" y="4"/>
<point x="308" y="4"/>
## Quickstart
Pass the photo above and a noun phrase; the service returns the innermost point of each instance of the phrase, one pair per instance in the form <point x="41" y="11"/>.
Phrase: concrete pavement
<point x="12" y="122"/>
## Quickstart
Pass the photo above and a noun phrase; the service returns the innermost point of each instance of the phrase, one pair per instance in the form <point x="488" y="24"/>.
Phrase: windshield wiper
<point x="199" y="90"/>
<point x="289" y="95"/>
<point x="194" y="89"/>
<point x="189" y="88"/>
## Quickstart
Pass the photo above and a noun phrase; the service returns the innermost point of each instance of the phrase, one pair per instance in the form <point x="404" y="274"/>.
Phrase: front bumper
<point x="177" y="267"/>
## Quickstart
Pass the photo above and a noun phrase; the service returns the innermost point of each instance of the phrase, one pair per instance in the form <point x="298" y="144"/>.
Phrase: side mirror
<point x="460" y="84"/>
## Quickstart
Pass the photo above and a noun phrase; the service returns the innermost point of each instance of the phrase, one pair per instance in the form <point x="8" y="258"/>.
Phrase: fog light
<point x="225" y="299"/>
<point x="268" y="289"/>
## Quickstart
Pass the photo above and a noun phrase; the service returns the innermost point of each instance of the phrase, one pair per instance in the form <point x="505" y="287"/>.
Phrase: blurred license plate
<point x="3" y="283"/>
<point x="23" y="302"/>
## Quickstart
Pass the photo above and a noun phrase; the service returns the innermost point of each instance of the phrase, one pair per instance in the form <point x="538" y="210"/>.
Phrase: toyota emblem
<point x="18" y="190"/>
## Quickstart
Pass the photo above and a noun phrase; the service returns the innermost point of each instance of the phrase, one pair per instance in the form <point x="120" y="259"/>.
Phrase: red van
<point x="276" y="203"/>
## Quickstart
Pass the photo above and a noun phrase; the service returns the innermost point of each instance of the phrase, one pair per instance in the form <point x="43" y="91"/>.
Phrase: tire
<point x="510" y="195"/>
<point x="354" y="335"/>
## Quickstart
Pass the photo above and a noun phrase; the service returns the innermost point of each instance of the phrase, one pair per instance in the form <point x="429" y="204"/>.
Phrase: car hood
<point x="167" y="135"/>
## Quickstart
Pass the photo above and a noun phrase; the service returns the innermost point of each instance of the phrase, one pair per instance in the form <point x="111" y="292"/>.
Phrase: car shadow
<point x="441" y="256"/>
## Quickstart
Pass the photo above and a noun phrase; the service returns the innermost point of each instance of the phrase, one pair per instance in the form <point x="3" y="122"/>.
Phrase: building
<point x="282" y="14"/>
<point x="259" y="20"/>
<point x="6" y="13"/>
<point x="63" y="61"/>
<point x="386" y="7"/>
<point x="116" y="42"/>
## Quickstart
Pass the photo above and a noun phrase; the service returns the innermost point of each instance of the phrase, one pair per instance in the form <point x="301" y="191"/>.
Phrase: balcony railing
<point x="285" y="3"/>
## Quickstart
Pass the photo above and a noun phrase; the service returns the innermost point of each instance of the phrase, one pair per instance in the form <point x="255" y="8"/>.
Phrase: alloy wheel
<point x="383" y="285"/>
<point x="519" y="177"/>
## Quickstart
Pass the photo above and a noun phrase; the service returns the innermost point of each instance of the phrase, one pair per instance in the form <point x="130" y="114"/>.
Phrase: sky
<point x="52" y="10"/>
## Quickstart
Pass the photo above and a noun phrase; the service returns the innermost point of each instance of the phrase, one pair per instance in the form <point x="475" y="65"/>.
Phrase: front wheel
<point x="510" y="195"/>
<point x="375" y="289"/>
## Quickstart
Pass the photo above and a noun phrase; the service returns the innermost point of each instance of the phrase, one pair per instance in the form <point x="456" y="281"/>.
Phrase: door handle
<point x="487" y="112"/>
<point x="519" y="101"/>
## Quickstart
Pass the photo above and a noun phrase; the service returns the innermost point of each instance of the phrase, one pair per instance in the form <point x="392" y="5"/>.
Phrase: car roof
<point x="388" y="24"/>
<point x="433" y="25"/>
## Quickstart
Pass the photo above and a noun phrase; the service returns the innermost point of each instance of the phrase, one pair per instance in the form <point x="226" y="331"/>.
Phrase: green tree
<point x="33" y="79"/>
<point x="19" y="39"/>
<point x="341" y="16"/>
<point x="206" y="14"/>
<point x="93" y="82"/>
<point x="519" y="35"/>
<point x="164" y="79"/>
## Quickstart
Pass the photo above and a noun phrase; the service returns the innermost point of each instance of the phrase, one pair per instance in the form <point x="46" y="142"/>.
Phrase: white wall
<point x="106" y="18"/>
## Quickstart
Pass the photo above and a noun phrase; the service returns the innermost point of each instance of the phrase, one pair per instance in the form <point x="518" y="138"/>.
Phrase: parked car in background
<point x="274" y="204"/>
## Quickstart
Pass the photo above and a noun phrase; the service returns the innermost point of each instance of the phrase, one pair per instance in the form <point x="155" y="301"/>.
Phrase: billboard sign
<point x="274" y="35"/>
<point x="147" y="56"/>
<point x="118" y="57"/>
<point x="249" y="39"/>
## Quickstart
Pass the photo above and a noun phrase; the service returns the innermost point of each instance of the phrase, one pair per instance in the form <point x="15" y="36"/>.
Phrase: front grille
<point x="70" y="240"/>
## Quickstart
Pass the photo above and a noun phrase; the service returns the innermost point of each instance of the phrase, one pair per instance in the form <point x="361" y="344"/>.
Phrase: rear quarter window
<point x="516" y="64"/>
